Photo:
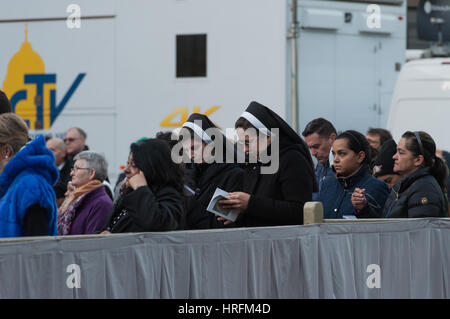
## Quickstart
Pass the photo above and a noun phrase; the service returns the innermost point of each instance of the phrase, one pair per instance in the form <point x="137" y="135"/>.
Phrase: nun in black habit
<point x="206" y="174"/>
<point x="275" y="198"/>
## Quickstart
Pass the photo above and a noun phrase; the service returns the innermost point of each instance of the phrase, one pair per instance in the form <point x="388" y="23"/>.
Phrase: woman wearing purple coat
<point x="86" y="206"/>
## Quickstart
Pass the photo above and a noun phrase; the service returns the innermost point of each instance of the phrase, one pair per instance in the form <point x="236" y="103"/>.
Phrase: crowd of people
<point x="60" y="187"/>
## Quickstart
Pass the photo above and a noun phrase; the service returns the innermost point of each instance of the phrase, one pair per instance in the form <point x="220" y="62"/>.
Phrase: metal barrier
<point x="377" y="259"/>
<point x="313" y="214"/>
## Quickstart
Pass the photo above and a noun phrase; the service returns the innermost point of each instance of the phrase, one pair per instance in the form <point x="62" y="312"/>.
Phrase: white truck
<point x="122" y="70"/>
<point x="421" y="100"/>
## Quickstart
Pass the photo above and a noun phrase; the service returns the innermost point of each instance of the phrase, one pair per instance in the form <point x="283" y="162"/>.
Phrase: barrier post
<point x="312" y="213"/>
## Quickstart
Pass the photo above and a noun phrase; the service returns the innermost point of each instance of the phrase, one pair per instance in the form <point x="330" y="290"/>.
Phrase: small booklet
<point x="213" y="206"/>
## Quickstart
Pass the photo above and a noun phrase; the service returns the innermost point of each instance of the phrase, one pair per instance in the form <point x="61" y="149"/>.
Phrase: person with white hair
<point x="86" y="208"/>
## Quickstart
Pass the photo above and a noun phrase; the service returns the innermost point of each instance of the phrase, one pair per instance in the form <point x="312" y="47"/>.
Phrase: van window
<point x="191" y="55"/>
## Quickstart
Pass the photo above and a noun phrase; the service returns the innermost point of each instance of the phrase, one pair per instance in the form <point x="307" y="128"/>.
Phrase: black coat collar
<point x="352" y="180"/>
<point x="406" y="181"/>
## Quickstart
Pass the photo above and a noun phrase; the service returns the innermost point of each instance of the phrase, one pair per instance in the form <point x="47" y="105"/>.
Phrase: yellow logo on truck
<point x="32" y="91"/>
<point x="183" y="112"/>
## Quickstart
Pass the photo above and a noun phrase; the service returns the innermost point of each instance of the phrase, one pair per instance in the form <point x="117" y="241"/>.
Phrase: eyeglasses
<point x="70" y="139"/>
<point x="131" y="164"/>
<point x="76" y="169"/>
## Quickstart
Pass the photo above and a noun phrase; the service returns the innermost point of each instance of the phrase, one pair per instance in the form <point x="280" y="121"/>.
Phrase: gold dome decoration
<point x="25" y="61"/>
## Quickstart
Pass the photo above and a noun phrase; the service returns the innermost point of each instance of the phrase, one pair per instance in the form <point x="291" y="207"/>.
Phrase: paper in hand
<point x="213" y="206"/>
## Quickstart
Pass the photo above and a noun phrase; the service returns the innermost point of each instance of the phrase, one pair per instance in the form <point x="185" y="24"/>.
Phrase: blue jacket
<point x="322" y="172"/>
<point x="336" y="193"/>
<point x="26" y="180"/>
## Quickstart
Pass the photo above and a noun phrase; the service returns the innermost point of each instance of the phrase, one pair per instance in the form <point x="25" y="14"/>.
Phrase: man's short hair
<point x="384" y="135"/>
<point x="5" y="104"/>
<point x="80" y="131"/>
<point x="320" y="126"/>
<point x="59" y="143"/>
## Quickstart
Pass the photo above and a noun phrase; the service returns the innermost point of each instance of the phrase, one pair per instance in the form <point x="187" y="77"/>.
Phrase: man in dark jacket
<point x="320" y="134"/>
<point x="58" y="147"/>
<point x="205" y="176"/>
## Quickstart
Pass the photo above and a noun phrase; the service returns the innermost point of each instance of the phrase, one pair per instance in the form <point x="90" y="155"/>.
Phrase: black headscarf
<point x="384" y="163"/>
<point x="199" y="123"/>
<point x="288" y="138"/>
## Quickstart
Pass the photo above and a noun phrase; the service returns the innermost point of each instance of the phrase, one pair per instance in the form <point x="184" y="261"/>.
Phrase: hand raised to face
<point x="137" y="180"/>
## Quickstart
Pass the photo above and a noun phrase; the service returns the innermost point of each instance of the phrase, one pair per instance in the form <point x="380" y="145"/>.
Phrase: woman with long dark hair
<point x="353" y="191"/>
<point x="152" y="197"/>
<point x="422" y="188"/>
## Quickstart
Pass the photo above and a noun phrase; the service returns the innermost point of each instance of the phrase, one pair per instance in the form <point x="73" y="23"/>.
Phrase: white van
<point x="421" y="100"/>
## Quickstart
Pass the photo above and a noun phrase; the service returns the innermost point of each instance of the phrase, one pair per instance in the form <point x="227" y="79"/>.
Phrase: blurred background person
<point x="383" y="165"/>
<point x="27" y="173"/>
<point x="58" y="147"/>
<point x="377" y="136"/>
<point x="319" y="135"/>
<point x="86" y="207"/>
<point x="5" y="104"/>
<point x="422" y="188"/>
<point x="445" y="156"/>
<point x="152" y="199"/>
<point x="75" y="142"/>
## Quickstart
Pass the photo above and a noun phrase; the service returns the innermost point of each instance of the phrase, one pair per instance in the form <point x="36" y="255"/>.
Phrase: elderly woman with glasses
<point x="87" y="206"/>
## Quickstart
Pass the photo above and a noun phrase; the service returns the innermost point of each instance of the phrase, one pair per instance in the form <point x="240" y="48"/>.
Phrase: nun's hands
<point x="359" y="198"/>
<point x="236" y="201"/>
<point x="137" y="180"/>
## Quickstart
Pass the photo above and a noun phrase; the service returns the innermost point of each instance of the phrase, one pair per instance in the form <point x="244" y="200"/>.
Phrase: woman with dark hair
<point x="152" y="198"/>
<point x="353" y="191"/>
<point x="279" y="174"/>
<point x="422" y="188"/>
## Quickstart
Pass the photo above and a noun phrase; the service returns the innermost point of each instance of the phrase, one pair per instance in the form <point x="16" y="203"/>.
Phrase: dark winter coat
<point x="64" y="177"/>
<point x="143" y="210"/>
<point x="204" y="179"/>
<point x="278" y="199"/>
<point x="416" y="195"/>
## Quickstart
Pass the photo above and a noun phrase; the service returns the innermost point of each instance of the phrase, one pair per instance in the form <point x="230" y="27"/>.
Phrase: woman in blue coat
<point x="27" y="200"/>
<point x="351" y="159"/>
